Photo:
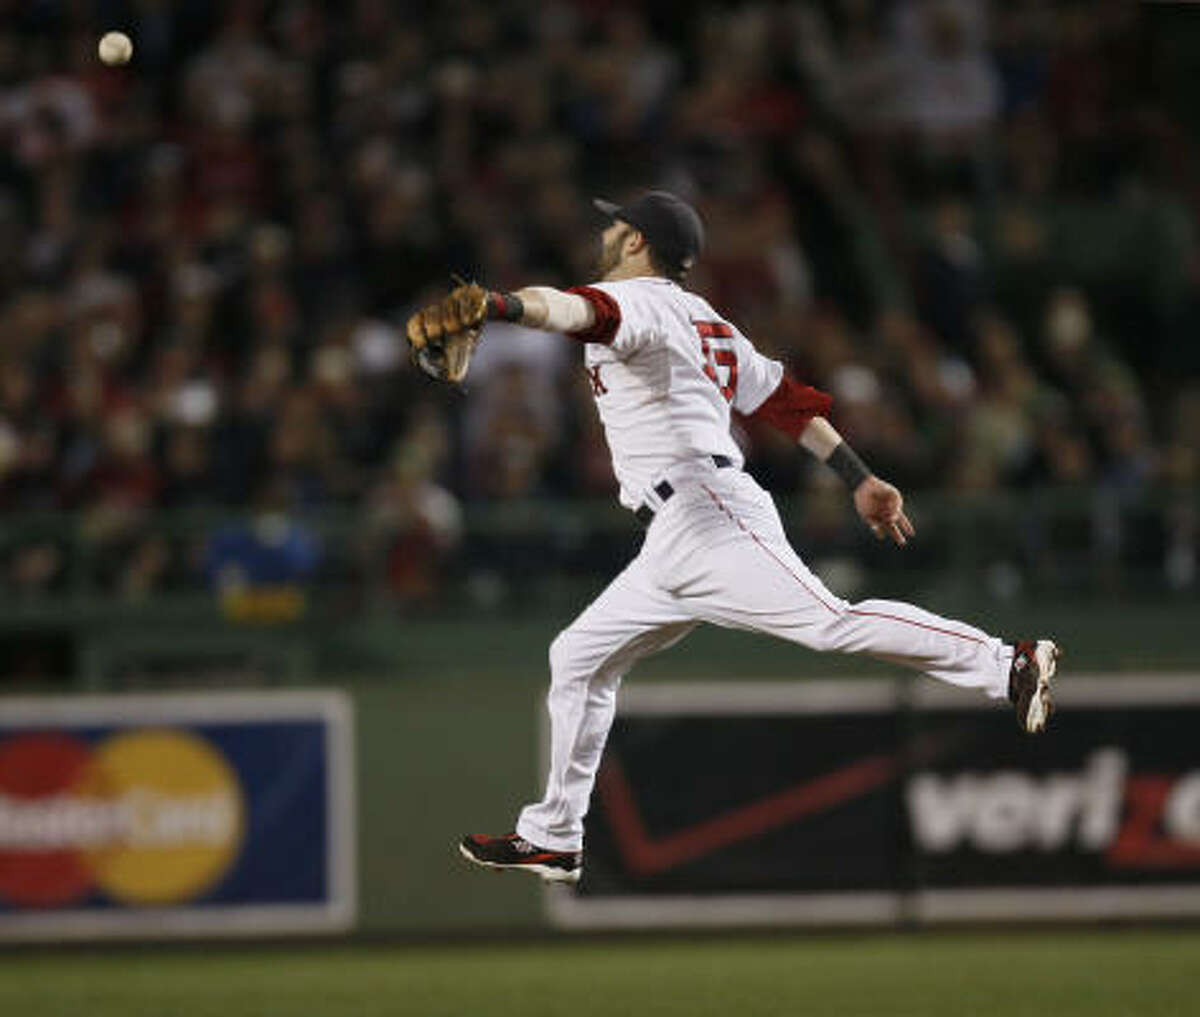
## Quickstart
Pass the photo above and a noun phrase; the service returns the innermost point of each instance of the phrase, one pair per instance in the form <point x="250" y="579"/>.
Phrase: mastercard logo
<point x="146" y="817"/>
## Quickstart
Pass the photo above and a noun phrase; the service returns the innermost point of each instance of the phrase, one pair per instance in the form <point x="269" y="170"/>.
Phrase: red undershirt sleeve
<point x="791" y="406"/>
<point x="608" y="316"/>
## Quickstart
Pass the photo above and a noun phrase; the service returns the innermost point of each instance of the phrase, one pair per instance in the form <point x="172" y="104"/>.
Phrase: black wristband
<point x="844" y="461"/>
<point x="505" y="306"/>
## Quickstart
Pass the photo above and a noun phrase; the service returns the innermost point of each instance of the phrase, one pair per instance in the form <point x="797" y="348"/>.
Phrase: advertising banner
<point x="880" y="802"/>
<point x="1098" y="818"/>
<point x="176" y="814"/>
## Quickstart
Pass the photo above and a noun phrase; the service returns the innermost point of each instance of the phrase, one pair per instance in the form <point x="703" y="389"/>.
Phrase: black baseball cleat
<point x="1034" y="664"/>
<point x="514" y="852"/>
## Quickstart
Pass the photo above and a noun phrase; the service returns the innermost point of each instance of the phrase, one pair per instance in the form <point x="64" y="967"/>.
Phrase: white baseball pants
<point x="716" y="552"/>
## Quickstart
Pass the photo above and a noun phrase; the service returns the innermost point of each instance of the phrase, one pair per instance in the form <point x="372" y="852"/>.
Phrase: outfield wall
<point x="455" y="742"/>
<point x="450" y="745"/>
<point x="1010" y="828"/>
<point x="885" y="802"/>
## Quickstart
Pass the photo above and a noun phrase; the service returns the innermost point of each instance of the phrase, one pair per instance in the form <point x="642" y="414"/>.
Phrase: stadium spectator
<point x="926" y="205"/>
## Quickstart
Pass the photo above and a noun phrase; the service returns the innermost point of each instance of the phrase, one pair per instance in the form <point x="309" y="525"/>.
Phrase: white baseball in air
<point x="115" y="48"/>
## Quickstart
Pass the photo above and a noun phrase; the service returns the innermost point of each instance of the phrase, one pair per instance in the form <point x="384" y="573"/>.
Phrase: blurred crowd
<point x="974" y="224"/>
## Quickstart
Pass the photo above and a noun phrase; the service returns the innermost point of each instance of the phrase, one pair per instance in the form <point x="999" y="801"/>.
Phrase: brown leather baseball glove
<point x="442" y="336"/>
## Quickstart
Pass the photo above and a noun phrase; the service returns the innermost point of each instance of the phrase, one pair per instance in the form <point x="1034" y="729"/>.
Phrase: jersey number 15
<point x="718" y="354"/>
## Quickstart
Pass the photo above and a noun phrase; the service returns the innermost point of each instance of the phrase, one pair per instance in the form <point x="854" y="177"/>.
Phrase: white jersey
<point x="665" y="384"/>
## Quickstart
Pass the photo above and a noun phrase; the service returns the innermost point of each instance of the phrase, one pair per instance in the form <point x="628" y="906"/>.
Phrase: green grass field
<point x="1131" y="973"/>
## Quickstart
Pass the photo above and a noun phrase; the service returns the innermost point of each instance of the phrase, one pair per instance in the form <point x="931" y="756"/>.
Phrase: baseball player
<point x="666" y="371"/>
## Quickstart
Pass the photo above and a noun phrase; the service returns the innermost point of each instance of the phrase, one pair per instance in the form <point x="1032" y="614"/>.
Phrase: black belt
<point x="645" y="514"/>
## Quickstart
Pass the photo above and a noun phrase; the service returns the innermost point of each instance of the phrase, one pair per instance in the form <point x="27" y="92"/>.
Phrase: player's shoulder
<point x="642" y="302"/>
<point x="642" y="285"/>
<point x="652" y="291"/>
<point x="654" y="301"/>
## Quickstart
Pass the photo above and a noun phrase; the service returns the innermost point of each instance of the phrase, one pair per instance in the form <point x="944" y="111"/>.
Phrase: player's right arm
<point x="769" y="394"/>
<point x="880" y="504"/>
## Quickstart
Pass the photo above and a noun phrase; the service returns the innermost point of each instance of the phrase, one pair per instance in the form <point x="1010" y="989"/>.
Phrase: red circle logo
<point x="144" y="816"/>
<point x="39" y="862"/>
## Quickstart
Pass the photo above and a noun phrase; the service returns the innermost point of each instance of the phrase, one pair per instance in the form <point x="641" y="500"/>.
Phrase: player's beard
<point x="609" y="256"/>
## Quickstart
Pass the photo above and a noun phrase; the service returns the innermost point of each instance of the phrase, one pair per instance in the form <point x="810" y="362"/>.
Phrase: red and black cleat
<point x="1034" y="664"/>
<point x="514" y="852"/>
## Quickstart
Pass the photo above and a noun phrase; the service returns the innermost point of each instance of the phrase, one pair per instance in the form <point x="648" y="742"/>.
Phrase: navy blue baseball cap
<point x="670" y="225"/>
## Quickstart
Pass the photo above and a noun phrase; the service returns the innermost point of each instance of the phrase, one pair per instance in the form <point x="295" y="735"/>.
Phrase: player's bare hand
<point x="881" y="507"/>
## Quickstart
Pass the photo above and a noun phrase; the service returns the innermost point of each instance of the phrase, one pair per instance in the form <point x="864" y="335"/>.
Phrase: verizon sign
<point x="854" y="802"/>
<point x="1010" y="811"/>
<point x="1148" y="821"/>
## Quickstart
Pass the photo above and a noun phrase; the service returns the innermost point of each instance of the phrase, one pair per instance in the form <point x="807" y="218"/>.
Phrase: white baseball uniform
<point x="666" y="371"/>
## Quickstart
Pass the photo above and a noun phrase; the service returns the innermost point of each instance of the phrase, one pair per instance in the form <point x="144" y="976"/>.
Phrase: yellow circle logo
<point x="173" y="813"/>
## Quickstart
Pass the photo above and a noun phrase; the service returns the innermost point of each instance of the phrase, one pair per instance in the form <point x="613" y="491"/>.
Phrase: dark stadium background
<point x="974" y="223"/>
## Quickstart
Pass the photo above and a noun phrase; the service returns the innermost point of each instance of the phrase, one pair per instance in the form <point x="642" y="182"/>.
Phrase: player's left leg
<point x="587" y="663"/>
<point x="631" y="619"/>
